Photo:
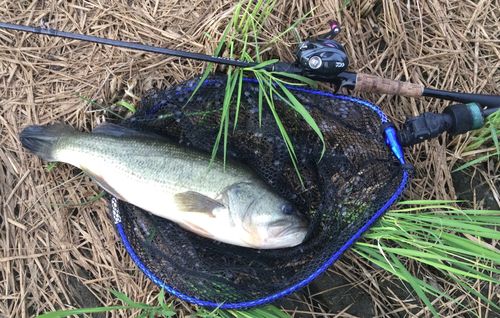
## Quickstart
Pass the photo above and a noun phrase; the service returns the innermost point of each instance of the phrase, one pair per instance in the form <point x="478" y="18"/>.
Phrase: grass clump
<point x="484" y="136"/>
<point x="147" y="310"/>
<point x="241" y="36"/>
<point x="453" y="241"/>
<point x="164" y="310"/>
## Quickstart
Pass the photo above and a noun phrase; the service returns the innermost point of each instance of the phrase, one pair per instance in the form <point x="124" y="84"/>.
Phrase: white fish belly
<point x="160" y="202"/>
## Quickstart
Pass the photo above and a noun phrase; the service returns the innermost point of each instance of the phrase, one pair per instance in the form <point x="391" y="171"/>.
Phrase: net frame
<point x="406" y="170"/>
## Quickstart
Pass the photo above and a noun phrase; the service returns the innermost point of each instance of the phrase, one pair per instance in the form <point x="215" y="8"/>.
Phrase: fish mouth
<point x="289" y="237"/>
<point x="295" y="230"/>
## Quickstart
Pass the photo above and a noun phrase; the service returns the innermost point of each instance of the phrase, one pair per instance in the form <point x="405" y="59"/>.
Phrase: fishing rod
<point x="325" y="60"/>
<point x="320" y="59"/>
<point x="134" y="46"/>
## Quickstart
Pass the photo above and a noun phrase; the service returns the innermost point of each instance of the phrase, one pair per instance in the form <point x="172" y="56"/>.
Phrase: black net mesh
<point x="353" y="181"/>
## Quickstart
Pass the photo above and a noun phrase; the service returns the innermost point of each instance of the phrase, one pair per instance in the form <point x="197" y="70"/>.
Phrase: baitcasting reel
<point x="322" y="59"/>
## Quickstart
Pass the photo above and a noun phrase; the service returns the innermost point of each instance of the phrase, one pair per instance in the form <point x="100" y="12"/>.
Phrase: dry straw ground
<point x="54" y="257"/>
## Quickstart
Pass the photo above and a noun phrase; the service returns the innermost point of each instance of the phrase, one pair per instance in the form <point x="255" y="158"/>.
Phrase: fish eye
<point x="287" y="208"/>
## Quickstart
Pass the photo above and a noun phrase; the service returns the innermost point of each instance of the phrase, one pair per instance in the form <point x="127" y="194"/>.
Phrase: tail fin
<point x="42" y="140"/>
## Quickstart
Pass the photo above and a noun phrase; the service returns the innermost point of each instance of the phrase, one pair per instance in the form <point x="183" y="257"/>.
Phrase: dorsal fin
<point x="120" y="131"/>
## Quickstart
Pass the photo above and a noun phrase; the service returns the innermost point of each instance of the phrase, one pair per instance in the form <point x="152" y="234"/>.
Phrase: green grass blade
<point x="52" y="165"/>
<point x="344" y="4"/>
<point x="126" y="105"/>
<point x="414" y="284"/>
<point x="487" y="132"/>
<point x="399" y="270"/>
<point x="236" y="14"/>
<point x="203" y="78"/>
<point x="268" y="12"/>
<point x="476" y="144"/>
<point x="236" y="314"/>
<point x="373" y="255"/>
<point x="464" y="252"/>
<point x="430" y="259"/>
<point x="144" y="314"/>
<point x="278" y="313"/>
<point x="473" y="162"/>
<point x="431" y="238"/>
<point x="494" y="136"/>
<point x="484" y="267"/>
<point x="261" y="312"/>
<point x="243" y="51"/>
<point x="481" y="212"/>
<point x="262" y="12"/>
<point x="231" y="82"/>
<point x="241" y="314"/>
<point x="474" y="292"/>
<point x="245" y="13"/>
<point x="247" y="57"/>
<point x="464" y="224"/>
<point x="261" y="91"/>
<point x="261" y="65"/>
<point x="256" y="42"/>
<point x="97" y="197"/>
<point x="252" y="18"/>
<point x="66" y="313"/>
<point x="426" y="202"/>
<point x="129" y="301"/>
<point x="161" y="298"/>
<point x="207" y="71"/>
<point x="295" y="104"/>
<point x="226" y="126"/>
<point x="98" y="105"/>
<point x="282" y="129"/>
<point x="256" y="10"/>
<point x="165" y="313"/>
<point x="224" y="314"/>
<point x="467" y="245"/>
<point x="394" y="269"/>
<point x="291" y="28"/>
<point x="238" y="101"/>
<point x="228" y="96"/>
<point x="403" y="212"/>
<point x="472" y="229"/>
<point x="295" y="76"/>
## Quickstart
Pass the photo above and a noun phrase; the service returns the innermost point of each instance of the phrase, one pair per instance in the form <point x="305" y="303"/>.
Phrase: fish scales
<point x="149" y="162"/>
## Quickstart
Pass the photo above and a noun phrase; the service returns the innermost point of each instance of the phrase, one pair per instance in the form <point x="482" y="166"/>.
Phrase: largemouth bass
<point x="231" y="205"/>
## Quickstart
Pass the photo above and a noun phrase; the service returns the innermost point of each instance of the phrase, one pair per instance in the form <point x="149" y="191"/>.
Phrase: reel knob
<point x="335" y="29"/>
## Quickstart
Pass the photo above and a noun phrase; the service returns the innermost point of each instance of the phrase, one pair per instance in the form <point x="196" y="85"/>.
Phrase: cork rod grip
<point x="375" y="84"/>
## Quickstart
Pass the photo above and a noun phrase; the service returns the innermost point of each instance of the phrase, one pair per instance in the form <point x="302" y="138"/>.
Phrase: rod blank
<point x="128" y="45"/>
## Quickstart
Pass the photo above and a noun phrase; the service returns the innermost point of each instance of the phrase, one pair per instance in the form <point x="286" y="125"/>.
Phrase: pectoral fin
<point x="102" y="183"/>
<point x="196" y="202"/>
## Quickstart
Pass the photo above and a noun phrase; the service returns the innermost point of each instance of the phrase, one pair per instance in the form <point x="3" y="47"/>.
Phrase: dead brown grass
<point x="54" y="257"/>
